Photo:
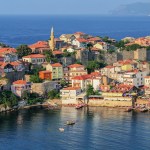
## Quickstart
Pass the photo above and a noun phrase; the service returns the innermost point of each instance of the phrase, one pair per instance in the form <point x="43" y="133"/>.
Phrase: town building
<point x="57" y="71"/>
<point x="74" y="70"/>
<point x="36" y="59"/>
<point x="72" y="95"/>
<point x="45" y="75"/>
<point x="68" y="38"/>
<point x="39" y="47"/>
<point x="20" y="86"/>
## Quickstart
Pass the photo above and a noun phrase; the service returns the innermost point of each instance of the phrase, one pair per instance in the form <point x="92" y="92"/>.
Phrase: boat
<point x="79" y="106"/>
<point x="61" y="129"/>
<point x="143" y="110"/>
<point x="70" y="122"/>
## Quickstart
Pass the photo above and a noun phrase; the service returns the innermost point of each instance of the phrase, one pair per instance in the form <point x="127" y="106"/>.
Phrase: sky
<point x="60" y="7"/>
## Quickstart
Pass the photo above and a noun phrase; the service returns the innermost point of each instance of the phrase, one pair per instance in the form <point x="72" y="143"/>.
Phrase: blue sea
<point x="95" y="129"/>
<point x="16" y="30"/>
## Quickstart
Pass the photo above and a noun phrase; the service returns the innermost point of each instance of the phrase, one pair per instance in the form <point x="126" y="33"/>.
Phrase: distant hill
<point x="134" y="9"/>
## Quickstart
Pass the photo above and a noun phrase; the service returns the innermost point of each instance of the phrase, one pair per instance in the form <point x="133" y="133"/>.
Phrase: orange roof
<point x="8" y="50"/>
<point x="20" y="82"/>
<point x="72" y="88"/>
<point x="39" y="44"/>
<point x="45" y="71"/>
<point x="34" y="56"/>
<point x="82" y="40"/>
<point x="83" y="77"/>
<point x="57" y="52"/>
<point x="56" y="65"/>
<point x="15" y="63"/>
<point x="109" y="67"/>
<point x="147" y="77"/>
<point x="75" y="66"/>
<point x="94" y="39"/>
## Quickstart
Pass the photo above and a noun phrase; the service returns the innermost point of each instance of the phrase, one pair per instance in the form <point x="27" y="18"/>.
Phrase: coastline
<point x="55" y="105"/>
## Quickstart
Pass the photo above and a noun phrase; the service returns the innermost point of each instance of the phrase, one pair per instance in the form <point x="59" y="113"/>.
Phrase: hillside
<point x="134" y="9"/>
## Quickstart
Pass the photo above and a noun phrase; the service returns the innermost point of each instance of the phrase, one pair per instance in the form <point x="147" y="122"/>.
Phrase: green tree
<point x="133" y="47"/>
<point x="90" y="90"/>
<point x="49" y="55"/>
<point x="23" y="50"/>
<point x="148" y="48"/>
<point x="35" y="79"/>
<point x="120" y="44"/>
<point x="92" y="65"/>
<point x="53" y="94"/>
<point x="63" y="83"/>
<point x="89" y="46"/>
<point x="13" y="99"/>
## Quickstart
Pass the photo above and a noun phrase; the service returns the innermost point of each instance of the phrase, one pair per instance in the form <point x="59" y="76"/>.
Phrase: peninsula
<point x="74" y="69"/>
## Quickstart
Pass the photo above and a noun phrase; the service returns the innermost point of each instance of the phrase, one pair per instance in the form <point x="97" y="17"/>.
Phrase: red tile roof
<point x="7" y="50"/>
<point x="57" y="53"/>
<point x="56" y="65"/>
<point x="39" y="44"/>
<point x="34" y="56"/>
<point x="75" y="66"/>
<point x="109" y="67"/>
<point x="20" y="82"/>
<point x="147" y="77"/>
<point x="81" y="40"/>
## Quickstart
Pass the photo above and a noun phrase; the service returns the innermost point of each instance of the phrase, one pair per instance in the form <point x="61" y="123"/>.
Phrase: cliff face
<point x="134" y="9"/>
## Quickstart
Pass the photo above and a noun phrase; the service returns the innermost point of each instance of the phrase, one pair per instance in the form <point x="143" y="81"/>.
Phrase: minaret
<point x="52" y="40"/>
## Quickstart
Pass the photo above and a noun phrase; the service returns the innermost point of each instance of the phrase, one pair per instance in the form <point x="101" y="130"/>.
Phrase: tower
<point x="52" y="40"/>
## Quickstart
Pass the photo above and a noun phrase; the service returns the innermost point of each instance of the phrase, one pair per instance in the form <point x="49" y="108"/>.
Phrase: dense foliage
<point x="90" y="91"/>
<point x="92" y="65"/>
<point x="50" y="57"/>
<point x="23" y="50"/>
<point x="8" y="98"/>
<point x="54" y="94"/>
<point x="32" y="98"/>
<point x="133" y="47"/>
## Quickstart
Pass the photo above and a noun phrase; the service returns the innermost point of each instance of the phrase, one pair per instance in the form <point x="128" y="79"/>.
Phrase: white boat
<point x="61" y="129"/>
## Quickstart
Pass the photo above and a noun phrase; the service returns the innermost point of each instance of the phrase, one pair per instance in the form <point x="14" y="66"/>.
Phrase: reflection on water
<point x="95" y="128"/>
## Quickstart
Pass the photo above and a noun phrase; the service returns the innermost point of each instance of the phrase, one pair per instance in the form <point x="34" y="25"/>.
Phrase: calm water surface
<point x="96" y="129"/>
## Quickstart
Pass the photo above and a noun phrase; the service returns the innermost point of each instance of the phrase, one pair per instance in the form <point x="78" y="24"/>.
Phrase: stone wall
<point x="105" y="103"/>
<point x="110" y="58"/>
<point x="125" y="55"/>
<point x="43" y="88"/>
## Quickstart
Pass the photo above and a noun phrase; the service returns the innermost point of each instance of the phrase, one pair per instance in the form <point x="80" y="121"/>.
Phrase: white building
<point x="72" y="95"/>
<point x="135" y="78"/>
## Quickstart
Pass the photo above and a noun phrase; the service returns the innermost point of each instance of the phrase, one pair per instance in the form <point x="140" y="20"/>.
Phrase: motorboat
<point x="70" y="122"/>
<point x="79" y="106"/>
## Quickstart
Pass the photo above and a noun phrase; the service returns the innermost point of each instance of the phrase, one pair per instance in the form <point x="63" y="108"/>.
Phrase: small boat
<point x="61" y="129"/>
<point x="79" y="106"/>
<point x="143" y="110"/>
<point x="70" y="122"/>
